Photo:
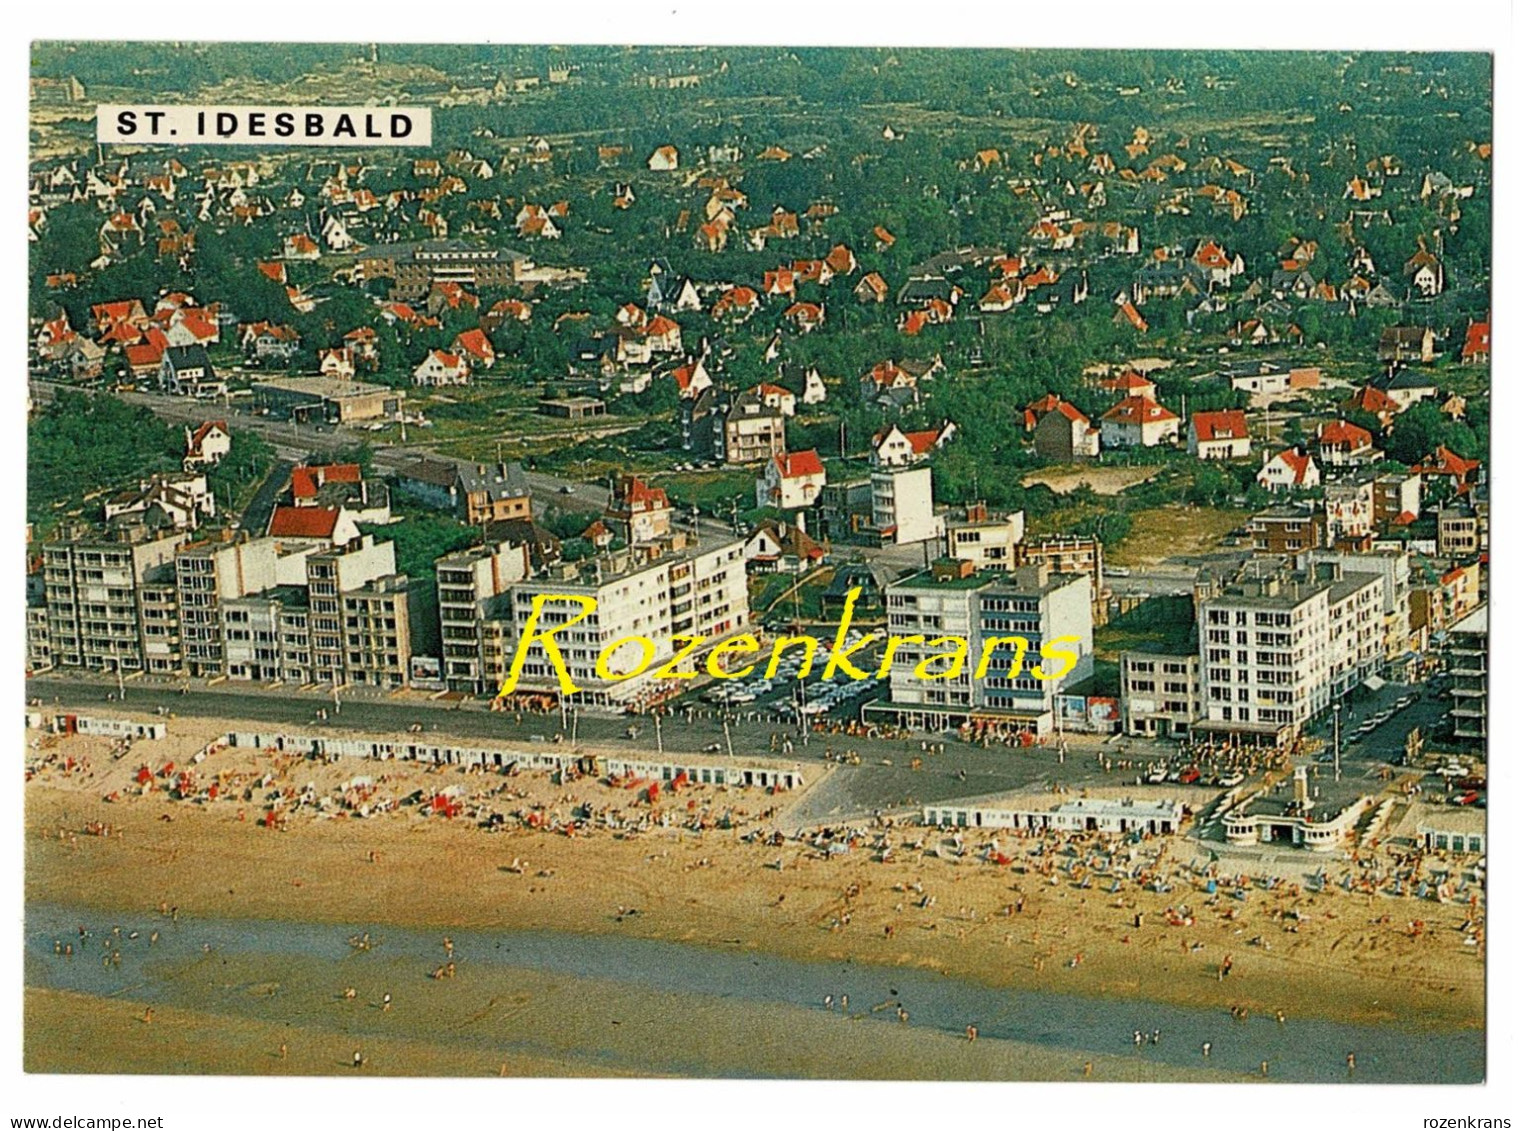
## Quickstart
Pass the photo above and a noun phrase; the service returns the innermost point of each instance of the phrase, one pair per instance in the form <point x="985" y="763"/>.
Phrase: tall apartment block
<point x="952" y="599"/>
<point x="658" y="589"/>
<point x="1278" y="645"/>
<point x="473" y="600"/>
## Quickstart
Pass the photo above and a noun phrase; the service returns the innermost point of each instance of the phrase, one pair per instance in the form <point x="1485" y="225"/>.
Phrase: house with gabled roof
<point x="442" y="367"/>
<point x="1219" y="435"/>
<point x="871" y="289"/>
<point x="1340" y="443"/>
<point x="1129" y="383"/>
<point x="187" y="371"/>
<point x="664" y="159"/>
<point x="738" y="303"/>
<point x="337" y="364"/>
<point x="1444" y="463"/>
<point x="1476" y="344"/>
<point x="775" y="546"/>
<point x="206" y="444"/>
<point x="1138" y="422"/>
<point x="1407" y="343"/>
<point x="894" y="447"/>
<point x="1062" y="432"/>
<point x="790" y="480"/>
<point x="1292" y="469"/>
<point x="1374" y="401"/>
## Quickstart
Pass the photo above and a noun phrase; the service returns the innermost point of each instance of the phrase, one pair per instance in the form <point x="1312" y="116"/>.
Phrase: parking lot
<point x="788" y="694"/>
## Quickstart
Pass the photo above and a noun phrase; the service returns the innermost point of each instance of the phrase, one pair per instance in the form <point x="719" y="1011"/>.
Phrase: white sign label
<point x="264" y="125"/>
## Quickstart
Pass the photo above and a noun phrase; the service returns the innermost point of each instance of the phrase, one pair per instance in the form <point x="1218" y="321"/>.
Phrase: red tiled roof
<point x="306" y="481"/>
<point x="1139" y="410"/>
<point x="1297" y="461"/>
<point x="1226" y="425"/>
<point x="1341" y="432"/>
<point x="200" y="433"/>
<point x="795" y="465"/>
<point x="1372" y="399"/>
<point x="1477" y="340"/>
<point x="1444" y="461"/>
<point x="303" y="522"/>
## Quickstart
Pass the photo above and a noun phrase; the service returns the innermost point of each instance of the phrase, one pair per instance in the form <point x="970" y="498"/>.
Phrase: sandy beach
<point x="1347" y="957"/>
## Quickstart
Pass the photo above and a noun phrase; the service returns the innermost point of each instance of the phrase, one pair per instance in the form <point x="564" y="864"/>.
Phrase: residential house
<point x="1343" y="444"/>
<point x="1349" y="508"/>
<point x="442" y="367"/>
<point x="206" y="444"/>
<point x="664" y="159"/>
<point x="1138" y="422"/>
<point x="187" y="371"/>
<point x="893" y="447"/>
<point x="1063" y="433"/>
<point x="781" y="547"/>
<point x="1288" y="529"/>
<point x="1476" y="344"/>
<point x="1406" y="386"/>
<point x="475" y="348"/>
<point x="1218" y="435"/>
<point x="1407" y="343"/>
<point x="1443" y="463"/>
<point x="1292" y="469"/>
<point x="790" y="480"/>
<point x="637" y="512"/>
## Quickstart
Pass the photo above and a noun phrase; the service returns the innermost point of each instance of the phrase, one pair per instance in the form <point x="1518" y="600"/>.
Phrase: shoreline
<point x="710" y="889"/>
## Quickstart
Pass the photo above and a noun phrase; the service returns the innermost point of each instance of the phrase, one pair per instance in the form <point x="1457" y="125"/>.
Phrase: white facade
<point x="698" y="590"/>
<point x="903" y="505"/>
<point x="1030" y="603"/>
<point x="1276" y="647"/>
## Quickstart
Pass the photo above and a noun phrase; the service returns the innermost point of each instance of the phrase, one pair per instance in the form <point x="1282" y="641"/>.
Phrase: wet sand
<point x="713" y="889"/>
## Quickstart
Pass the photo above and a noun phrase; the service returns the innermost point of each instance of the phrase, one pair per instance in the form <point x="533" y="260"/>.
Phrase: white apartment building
<point x="330" y="576"/>
<point x="266" y="636"/>
<point x="670" y="587"/>
<point x="903" y="506"/>
<point x="91" y="590"/>
<point x="952" y="600"/>
<point x="1393" y="569"/>
<point x="1277" y="646"/>
<point x="473" y="589"/>
<point x="984" y="538"/>
<point x="208" y="573"/>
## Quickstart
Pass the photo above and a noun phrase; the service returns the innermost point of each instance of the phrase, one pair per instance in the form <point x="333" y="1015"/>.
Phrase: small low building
<point x="572" y="408"/>
<point x="328" y="399"/>
<point x="1298" y="820"/>
<point x="1084" y="814"/>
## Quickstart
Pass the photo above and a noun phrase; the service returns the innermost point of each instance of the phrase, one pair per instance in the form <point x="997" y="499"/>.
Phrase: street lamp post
<point x="1336" y="742"/>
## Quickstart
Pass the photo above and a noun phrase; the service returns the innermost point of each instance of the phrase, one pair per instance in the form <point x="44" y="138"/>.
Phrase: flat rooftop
<point x="328" y="388"/>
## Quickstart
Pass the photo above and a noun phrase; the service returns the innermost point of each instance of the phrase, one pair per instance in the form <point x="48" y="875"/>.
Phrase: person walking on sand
<point x="448" y="947"/>
<point x="358" y="1059"/>
<point x="829" y="1002"/>
<point x="1262" y="1068"/>
<point x="1351" y="1061"/>
<point x="148" y="1016"/>
<point x="1087" y="1068"/>
<point x="385" y="1004"/>
<point x="282" y="1050"/>
<point x="1205" y="1049"/>
<point x="971" y="1032"/>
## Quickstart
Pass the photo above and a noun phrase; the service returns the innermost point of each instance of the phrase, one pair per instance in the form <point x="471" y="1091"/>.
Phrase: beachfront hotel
<point x="953" y="599"/>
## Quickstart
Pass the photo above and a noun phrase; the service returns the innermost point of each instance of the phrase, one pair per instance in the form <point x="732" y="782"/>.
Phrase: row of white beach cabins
<point x="732" y="773"/>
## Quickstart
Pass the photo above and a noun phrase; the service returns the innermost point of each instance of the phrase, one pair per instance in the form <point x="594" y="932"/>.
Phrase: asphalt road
<point x="883" y="780"/>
